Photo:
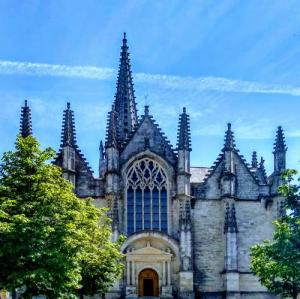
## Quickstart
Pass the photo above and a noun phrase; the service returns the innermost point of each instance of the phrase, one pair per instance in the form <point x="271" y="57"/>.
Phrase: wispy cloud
<point x="174" y="82"/>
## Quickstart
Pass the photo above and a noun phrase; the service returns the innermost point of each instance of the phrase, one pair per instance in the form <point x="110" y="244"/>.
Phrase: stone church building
<point x="189" y="229"/>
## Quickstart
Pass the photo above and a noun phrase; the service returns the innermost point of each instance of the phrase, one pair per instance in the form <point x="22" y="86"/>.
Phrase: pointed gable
<point x="148" y="135"/>
<point x="247" y="184"/>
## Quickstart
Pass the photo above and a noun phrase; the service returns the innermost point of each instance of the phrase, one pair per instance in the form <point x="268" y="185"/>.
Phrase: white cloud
<point x="173" y="82"/>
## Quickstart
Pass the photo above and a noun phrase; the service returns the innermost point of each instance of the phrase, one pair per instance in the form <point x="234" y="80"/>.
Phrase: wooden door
<point x="148" y="283"/>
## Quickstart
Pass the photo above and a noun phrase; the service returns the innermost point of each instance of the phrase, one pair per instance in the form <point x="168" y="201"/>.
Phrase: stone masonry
<point x="189" y="229"/>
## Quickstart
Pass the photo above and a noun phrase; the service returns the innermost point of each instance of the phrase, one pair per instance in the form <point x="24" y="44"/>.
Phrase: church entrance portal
<point x="148" y="283"/>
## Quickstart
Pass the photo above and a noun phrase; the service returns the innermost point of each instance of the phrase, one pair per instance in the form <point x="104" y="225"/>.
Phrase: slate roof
<point x="198" y="174"/>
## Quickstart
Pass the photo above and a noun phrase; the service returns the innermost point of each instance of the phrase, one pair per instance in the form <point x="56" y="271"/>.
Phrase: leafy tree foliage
<point x="277" y="262"/>
<point x="51" y="242"/>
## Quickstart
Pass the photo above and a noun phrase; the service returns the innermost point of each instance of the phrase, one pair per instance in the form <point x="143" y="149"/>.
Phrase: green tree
<point x="277" y="262"/>
<point x="49" y="238"/>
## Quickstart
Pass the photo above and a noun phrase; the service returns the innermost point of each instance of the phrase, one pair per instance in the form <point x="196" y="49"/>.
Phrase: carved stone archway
<point x="150" y="266"/>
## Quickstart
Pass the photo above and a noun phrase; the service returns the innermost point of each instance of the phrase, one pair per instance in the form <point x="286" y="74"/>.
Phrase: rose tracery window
<point x="147" y="197"/>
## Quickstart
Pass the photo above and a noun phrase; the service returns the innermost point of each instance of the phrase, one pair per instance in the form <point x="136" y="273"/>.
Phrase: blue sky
<point x="226" y="61"/>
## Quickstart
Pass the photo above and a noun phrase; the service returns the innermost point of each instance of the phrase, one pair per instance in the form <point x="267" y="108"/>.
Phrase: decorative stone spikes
<point x="125" y="104"/>
<point x="184" y="134"/>
<point x="261" y="171"/>
<point x="68" y="134"/>
<point x="279" y="145"/>
<point x="230" y="225"/>
<point x="111" y="131"/>
<point x="254" y="162"/>
<point x="25" y="121"/>
<point x="229" y="144"/>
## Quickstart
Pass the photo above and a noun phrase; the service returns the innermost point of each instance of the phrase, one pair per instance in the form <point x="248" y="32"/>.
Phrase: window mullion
<point x="143" y="214"/>
<point x="151" y="210"/>
<point x="159" y="209"/>
<point x="134" y="210"/>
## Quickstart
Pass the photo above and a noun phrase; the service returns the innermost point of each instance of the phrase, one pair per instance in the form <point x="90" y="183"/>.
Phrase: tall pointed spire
<point x="279" y="145"/>
<point x="229" y="139"/>
<point x="125" y="104"/>
<point x="184" y="134"/>
<point x="25" y="121"/>
<point x="68" y="133"/>
<point x="254" y="162"/>
<point x="111" y="131"/>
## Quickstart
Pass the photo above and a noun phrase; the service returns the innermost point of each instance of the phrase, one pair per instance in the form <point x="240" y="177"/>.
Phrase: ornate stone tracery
<point x="147" y="196"/>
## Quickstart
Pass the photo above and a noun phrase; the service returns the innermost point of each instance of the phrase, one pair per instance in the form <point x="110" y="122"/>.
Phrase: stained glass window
<point x="147" y="197"/>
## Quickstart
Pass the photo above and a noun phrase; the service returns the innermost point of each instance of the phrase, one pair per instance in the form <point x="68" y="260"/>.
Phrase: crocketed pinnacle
<point x="25" y="121"/>
<point x="279" y="145"/>
<point x="125" y="104"/>
<point x="254" y="162"/>
<point x="230" y="225"/>
<point x="184" y="134"/>
<point x="229" y="144"/>
<point x="261" y="171"/>
<point x="68" y="133"/>
<point x="111" y="131"/>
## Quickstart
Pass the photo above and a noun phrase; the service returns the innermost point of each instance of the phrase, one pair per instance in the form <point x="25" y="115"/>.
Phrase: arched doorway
<point x="148" y="283"/>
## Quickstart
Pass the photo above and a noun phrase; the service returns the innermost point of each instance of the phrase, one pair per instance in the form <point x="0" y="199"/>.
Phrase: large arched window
<point x="147" y="197"/>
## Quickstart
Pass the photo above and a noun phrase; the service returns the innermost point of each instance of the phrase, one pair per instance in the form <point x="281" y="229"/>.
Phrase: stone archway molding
<point x="172" y="243"/>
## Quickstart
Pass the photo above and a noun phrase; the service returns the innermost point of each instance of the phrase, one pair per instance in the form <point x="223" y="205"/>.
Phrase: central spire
<point x="125" y="104"/>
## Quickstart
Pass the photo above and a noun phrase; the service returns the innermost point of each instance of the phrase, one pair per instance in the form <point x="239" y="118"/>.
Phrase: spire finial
<point x="68" y="134"/>
<point x="184" y="134"/>
<point x="254" y="162"/>
<point x="146" y="110"/>
<point x="229" y="139"/>
<point x="279" y="145"/>
<point x="25" y="121"/>
<point x="125" y="104"/>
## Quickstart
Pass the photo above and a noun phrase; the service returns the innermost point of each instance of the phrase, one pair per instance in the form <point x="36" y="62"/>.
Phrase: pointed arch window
<point x="147" y="197"/>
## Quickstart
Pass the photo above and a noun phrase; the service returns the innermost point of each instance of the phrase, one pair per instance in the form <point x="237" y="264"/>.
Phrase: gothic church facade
<point x="189" y="229"/>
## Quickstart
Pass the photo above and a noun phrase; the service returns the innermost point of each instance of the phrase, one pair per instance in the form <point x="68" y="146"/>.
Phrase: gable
<point x="247" y="185"/>
<point x="148" y="136"/>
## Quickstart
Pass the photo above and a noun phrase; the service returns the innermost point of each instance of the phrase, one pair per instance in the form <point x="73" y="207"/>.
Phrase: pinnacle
<point x="184" y="135"/>
<point x="111" y="131"/>
<point x="279" y="145"/>
<point x="229" y="139"/>
<point x="68" y="134"/>
<point x="25" y="121"/>
<point x="254" y="162"/>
